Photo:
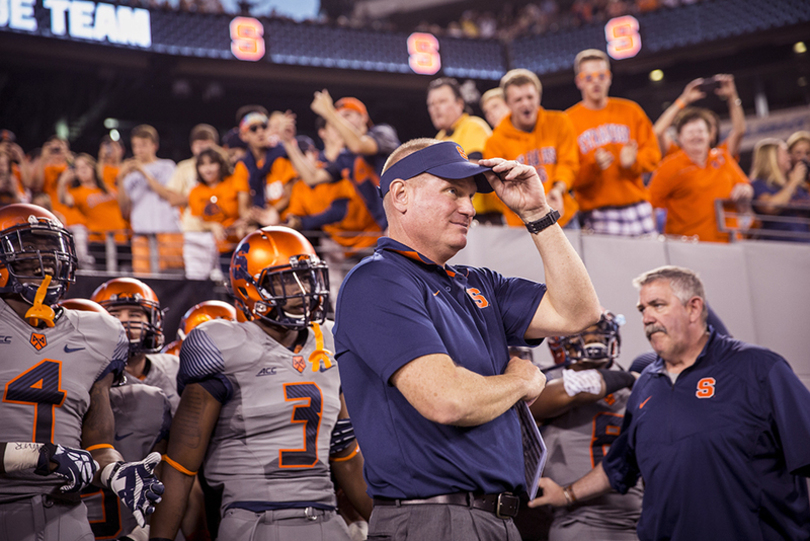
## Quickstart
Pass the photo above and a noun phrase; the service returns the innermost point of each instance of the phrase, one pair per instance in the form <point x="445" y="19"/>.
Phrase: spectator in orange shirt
<point x="494" y="106"/>
<point x="220" y="202"/>
<point x="81" y="188"/>
<point x="110" y="155"/>
<point x="687" y="183"/>
<point x="265" y="166"/>
<point x="534" y="136"/>
<point x="335" y="208"/>
<point x="723" y="86"/>
<point x="616" y="146"/>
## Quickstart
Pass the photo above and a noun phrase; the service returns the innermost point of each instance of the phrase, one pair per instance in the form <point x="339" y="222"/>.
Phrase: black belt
<point x="503" y="505"/>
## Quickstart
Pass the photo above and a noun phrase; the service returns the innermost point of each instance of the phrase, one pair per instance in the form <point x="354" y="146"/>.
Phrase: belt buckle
<point x="498" y="506"/>
<point x="309" y="514"/>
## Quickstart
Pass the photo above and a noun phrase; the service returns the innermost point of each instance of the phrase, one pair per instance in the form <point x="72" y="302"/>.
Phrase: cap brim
<point x="464" y="169"/>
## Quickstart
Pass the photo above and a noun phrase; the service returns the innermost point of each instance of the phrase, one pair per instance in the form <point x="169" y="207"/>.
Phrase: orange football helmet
<point x="34" y="243"/>
<point x="173" y="347"/>
<point x="129" y="291"/>
<point x="202" y="312"/>
<point x="83" y="305"/>
<point x="277" y="277"/>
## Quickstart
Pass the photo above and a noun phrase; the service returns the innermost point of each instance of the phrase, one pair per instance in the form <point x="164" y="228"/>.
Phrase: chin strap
<point x="41" y="313"/>
<point x="320" y="354"/>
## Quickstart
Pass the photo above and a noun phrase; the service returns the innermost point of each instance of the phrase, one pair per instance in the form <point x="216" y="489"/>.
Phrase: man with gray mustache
<point x="717" y="428"/>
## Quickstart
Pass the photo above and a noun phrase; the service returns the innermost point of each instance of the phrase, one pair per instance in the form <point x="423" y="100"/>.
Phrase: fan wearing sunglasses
<point x="617" y="145"/>
<point x="265" y="166"/>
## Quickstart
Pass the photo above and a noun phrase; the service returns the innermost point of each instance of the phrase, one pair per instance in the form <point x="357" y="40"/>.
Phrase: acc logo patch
<point x="461" y="151"/>
<point x="38" y="340"/>
<point x="299" y="363"/>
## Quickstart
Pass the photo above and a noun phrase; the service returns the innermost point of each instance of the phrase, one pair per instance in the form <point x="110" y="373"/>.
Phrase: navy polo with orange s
<point x="397" y="306"/>
<point x="723" y="450"/>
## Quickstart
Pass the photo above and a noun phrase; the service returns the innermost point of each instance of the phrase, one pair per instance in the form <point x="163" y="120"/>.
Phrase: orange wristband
<point x="100" y="446"/>
<point x="347" y="457"/>
<point x="177" y="466"/>
<point x="680" y="103"/>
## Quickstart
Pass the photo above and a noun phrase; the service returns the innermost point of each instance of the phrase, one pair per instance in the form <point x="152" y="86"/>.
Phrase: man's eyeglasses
<point x="255" y="127"/>
<point x="591" y="76"/>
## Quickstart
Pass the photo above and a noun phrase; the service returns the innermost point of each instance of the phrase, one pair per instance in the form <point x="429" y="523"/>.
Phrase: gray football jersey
<point x="142" y="418"/>
<point x="577" y="441"/>
<point x="271" y="442"/>
<point x="163" y="375"/>
<point x="46" y="376"/>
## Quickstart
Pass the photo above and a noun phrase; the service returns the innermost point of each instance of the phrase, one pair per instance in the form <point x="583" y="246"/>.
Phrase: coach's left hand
<point x="519" y="187"/>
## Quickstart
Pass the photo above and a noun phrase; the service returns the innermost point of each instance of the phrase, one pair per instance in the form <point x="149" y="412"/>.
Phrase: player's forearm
<point x="554" y="400"/>
<point x="18" y="456"/>
<point x="104" y="456"/>
<point x="169" y="513"/>
<point x="570" y="297"/>
<point x="349" y="476"/>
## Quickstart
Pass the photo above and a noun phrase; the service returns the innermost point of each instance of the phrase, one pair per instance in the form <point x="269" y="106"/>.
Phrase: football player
<point x="142" y="419"/>
<point x="262" y="404"/>
<point x="135" y="304"/>
<point x="57" y="368"/>
<point x="197" y="314"/>
<point x="582" y="414"/>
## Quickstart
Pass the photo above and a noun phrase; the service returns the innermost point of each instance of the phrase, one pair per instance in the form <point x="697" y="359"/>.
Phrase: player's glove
<point x="135" y="484"/>
<point x="75" y="466"/>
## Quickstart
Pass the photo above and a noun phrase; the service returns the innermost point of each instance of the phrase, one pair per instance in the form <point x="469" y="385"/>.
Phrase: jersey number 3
<point x="308" y="414"/>
<point x="39" y="386"/>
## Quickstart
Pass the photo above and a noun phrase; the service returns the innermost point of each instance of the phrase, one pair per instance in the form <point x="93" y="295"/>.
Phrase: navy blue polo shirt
<point x="397" y="306"/>
<point x="720" y="450"/>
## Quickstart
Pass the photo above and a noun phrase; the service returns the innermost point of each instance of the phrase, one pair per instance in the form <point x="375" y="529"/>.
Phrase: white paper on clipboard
<point x="534" y="448"/>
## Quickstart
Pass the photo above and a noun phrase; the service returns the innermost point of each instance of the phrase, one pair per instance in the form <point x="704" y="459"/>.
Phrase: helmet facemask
<point x="598" y="345"/>
<point x="29" y="252"/>
<point x="144" y="336"/>
<point x="293" y="296"/>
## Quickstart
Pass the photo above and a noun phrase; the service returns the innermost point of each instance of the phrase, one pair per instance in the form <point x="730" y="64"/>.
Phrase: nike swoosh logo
<point x="119" y="438"/>
<point x="69" y="349"/>
<point x="437" y="292"/>
<point x="642" y="404"/>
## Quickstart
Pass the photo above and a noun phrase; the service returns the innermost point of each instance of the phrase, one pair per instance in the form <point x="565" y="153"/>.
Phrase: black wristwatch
<point x="544" y="222"/>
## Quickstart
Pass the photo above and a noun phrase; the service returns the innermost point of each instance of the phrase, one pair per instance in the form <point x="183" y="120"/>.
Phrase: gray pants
<point x="578" y="530"/>
<point x="434" y="522"/>
<point x="40" y="519"/>
<point x="283" y="525"/>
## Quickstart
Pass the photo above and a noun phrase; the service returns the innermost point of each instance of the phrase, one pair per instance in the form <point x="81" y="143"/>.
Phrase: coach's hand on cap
<point x="519" y="187"/>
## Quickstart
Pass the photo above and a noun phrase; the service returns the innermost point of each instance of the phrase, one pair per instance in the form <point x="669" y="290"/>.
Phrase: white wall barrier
<point x="760" y="289"/>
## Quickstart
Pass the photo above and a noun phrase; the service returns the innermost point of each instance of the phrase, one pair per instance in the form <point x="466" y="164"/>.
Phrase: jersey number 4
<point x="39" y="386"/>
<point x="606" y="428"/>
<point x="308" y="414"/>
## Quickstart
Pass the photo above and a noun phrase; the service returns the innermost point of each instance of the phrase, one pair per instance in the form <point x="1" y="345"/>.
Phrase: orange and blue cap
<point x="445" y="160"/>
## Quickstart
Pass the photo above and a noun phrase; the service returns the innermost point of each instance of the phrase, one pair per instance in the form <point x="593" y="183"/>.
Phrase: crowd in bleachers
<point x="156" y="215"/>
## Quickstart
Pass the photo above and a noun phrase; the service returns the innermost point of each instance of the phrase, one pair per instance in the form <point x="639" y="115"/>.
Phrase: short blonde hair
<point x="685" y="284"/>
<point x="491" y="94"/>
<point x="796" y="137"/>
<point x="406" y="149"/>
<point x="589" y="54"/>
<point x="520" y="77"/>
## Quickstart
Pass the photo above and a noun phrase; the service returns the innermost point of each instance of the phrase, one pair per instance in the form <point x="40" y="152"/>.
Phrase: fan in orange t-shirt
<point x="80" y="189"/>
<point x="687" y="183"/>
<point x="616" y="146"/>
<point x="534" y="136"/>
<point x="221" y="203"/>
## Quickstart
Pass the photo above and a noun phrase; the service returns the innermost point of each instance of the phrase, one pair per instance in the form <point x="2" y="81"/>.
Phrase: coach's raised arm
<point x="422" y="346"/>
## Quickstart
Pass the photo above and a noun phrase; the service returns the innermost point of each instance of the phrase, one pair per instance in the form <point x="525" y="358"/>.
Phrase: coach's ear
<point x="399" y="194"/>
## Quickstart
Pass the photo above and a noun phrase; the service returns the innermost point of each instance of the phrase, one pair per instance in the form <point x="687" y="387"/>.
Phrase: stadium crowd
<point x="607" y="169"/>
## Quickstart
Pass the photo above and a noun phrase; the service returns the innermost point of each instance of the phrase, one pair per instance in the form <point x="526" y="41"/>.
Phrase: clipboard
<point x="534" y="448"/>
